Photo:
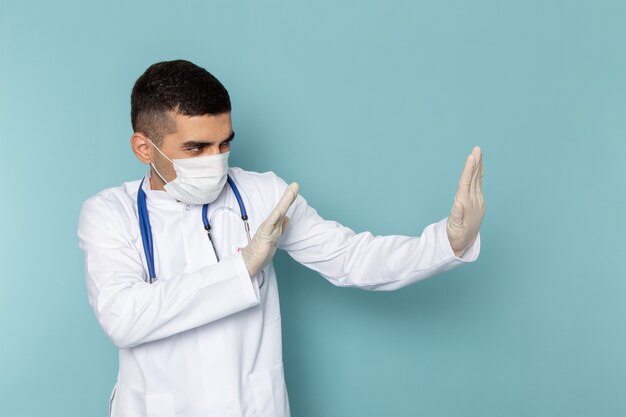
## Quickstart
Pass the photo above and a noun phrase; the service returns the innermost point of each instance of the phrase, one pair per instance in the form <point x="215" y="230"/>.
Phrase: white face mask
<point x="199" y="180"/>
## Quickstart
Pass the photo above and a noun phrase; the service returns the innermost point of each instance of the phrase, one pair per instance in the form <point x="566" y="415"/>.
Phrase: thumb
<point x="456" y="215"/>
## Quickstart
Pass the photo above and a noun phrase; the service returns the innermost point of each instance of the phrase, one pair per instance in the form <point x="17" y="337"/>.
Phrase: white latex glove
<point x="469" y="205"/>
<point x="263" y="245"/>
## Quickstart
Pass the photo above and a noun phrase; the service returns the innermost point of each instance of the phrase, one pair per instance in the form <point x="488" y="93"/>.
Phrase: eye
<point x="226" y="144"/>
<point x="194" y="149"/>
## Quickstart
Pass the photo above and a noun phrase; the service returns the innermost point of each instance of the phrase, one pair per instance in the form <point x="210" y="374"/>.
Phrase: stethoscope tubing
<point x="146" y="229"/>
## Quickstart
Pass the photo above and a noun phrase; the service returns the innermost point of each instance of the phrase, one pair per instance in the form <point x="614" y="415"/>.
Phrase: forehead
<point x="207" y="128"/>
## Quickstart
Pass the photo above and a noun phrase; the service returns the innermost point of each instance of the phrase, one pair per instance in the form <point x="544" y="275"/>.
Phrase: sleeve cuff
<point x="249" y="284"/>
<point x="241" y="286"/>
<point x="469" y="255"/>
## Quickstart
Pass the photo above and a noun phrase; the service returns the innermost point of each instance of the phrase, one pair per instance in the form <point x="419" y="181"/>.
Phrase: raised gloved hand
<point x="469" y="205"/>
<point x="263" y="245"/>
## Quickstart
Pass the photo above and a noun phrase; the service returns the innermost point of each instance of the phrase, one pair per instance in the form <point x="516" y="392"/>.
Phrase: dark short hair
<point x="180" y="86"/>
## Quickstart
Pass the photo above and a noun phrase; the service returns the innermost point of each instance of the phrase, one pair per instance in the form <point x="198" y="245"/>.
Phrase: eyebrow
<point x="199" y="143"/>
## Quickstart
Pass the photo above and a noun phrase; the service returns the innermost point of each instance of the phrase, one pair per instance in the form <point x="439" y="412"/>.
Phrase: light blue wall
<point x="372" y="107"/>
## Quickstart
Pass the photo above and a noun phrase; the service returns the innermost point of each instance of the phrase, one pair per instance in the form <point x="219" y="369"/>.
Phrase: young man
<point x="179" y="264"/>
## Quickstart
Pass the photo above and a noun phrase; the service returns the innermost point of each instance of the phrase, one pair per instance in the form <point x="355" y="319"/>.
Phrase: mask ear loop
<point x="165" y="156"/>
<point x="158" y="173"/>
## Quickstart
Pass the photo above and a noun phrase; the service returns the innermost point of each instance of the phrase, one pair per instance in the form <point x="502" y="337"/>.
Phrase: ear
<point x="141" y="147"/>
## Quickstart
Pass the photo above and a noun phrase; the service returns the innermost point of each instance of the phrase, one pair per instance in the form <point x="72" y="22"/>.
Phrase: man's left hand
<point x="469" y="205"/>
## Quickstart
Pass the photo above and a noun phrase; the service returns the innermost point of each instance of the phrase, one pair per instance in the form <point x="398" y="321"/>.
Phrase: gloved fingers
<point x="284" y="225"/>
<point x="273" y="220"/>
<point x="477" y="154"/>
<point x="289" y="196"/>
<point x="270" y="222"/>
<point x="479" y="185"/>
<point x="466" y="177"/>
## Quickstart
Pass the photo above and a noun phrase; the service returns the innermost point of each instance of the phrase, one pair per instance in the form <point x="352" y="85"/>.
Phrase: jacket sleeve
<point x="130" y="310"/>
<point x="380" y="263"/>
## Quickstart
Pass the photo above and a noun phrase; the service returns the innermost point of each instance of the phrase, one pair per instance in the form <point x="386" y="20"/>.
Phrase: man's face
<point x="194" y="136"/>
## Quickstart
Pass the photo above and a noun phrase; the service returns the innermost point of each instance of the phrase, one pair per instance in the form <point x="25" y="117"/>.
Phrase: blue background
<point x="372" y="107"/>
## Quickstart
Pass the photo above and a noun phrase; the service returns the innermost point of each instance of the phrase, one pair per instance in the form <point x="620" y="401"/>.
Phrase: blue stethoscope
<point x="146" y="230"/>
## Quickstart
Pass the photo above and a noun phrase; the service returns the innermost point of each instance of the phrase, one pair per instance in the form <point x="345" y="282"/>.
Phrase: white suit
<point x="205" y="340"/>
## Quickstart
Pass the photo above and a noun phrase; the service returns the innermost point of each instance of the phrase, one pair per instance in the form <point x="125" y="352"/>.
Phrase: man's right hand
<point x="263" y="245"/>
